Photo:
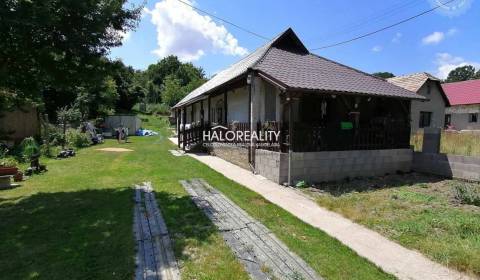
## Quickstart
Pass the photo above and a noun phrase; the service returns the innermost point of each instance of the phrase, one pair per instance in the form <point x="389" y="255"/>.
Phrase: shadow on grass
<point x="68" y="235"/>
<point x="187" y="224"/>
<point x="375" y="183"/>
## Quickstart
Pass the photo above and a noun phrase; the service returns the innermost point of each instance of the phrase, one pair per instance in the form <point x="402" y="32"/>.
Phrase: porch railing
<point x="308" y="138"/>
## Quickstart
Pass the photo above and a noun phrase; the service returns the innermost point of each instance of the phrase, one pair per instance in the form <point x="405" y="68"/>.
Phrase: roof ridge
<point x="459" y="82"/>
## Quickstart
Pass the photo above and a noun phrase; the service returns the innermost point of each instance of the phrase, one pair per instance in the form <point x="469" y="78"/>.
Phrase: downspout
<point x="251" y="162"/>
<point x="290" y="138"/>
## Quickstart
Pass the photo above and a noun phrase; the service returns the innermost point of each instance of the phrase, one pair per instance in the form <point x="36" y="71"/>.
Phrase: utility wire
<point x="225" y="21"/>
<point x="382" y="29"/>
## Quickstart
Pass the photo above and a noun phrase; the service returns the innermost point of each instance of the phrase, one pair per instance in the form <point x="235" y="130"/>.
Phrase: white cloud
<point x="434" y="38"/>
<point x="446" y="62"/>
<point x="397" y="37"/>
<point x="438" y="36"/>
<point x="377" y="48"/>
<point x="452" y="31"/>
<point x="184" y="32"/>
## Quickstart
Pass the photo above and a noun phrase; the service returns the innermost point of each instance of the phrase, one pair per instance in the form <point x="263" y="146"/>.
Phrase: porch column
<point x="184" y="120"/>
<point x="225" y="105"/>
<point x="290" y="138"/>
<point x="201" y="113"/>
<point x="177" y="116"/>
<point x="192" y="114"/>
<point x="209" y="110"/>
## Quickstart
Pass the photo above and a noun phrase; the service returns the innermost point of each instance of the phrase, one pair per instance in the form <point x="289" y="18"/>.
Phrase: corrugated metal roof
<point x="298" y="69"/>
<point x="412" y="82"/>
<point x="463" y="93"/>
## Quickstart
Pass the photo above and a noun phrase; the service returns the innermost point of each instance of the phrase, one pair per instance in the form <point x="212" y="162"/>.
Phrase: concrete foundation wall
<point x="452" y="166"/>
<point x="235" y="155"/>
<point x="272" y="165"/>
<point x="338" y="165"/>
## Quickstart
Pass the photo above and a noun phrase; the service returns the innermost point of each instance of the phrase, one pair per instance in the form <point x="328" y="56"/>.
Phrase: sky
<point x="436" y="42"/>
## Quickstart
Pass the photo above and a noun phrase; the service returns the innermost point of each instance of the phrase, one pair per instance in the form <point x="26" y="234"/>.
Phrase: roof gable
<point x="286" y="59"/>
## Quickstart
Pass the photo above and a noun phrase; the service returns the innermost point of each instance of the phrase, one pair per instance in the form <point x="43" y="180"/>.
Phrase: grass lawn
<point x="455" y="143"/>
<point x="75" y="221"/>
<point x="418" y="211"/>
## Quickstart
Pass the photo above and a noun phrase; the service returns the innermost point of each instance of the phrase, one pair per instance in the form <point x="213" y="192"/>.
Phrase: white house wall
<point x="435" y="104"/>
<point x="460" y="115"/>
<point x="237" y="101"/>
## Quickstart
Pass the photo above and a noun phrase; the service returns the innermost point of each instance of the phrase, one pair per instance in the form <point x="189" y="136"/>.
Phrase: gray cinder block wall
<point x="332" y="166"/>
<point x="233" y="154"/>
<point x="452" y="166"/>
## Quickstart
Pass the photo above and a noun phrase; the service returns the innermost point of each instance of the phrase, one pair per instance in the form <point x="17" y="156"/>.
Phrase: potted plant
<point x="31" y="152"/>
<point x="8" y="166"/>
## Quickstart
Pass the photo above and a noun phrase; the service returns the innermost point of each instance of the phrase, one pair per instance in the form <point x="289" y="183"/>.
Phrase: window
<point x="270" y="103"/>
<point x="448" y="120"/>
<point x="425" y="119"/>
<point x="473" y="117"/>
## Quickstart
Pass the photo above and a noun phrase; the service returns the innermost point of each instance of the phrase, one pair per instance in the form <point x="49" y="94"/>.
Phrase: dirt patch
<point x="117" y="150"/>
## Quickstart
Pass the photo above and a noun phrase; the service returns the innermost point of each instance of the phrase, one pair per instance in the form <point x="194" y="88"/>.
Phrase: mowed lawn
<point x="418" y="211"/>
<point x="75" y="221"/>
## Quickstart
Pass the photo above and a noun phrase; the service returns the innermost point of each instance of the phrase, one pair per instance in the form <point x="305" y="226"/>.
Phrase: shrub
<point x="8" y="162"/>
<point x="158" y="109"/>
<point x="30" y="148"/>
<point x="77" y="139"/>
<point x="468" y="194"/>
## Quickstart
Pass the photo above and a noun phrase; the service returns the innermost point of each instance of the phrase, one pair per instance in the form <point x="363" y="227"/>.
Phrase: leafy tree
<point x="54" y="45"/>
<point x="383" y="75"/>
<point x="477" y="75"/>
<point x="462" y="73"/>
<point x="67" y="116"/>
<point x="172" y="90"/>
<point x="128" y="92"/>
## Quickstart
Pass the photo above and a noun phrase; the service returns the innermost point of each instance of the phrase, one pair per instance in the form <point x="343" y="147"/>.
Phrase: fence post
<point x="431" y="140"/>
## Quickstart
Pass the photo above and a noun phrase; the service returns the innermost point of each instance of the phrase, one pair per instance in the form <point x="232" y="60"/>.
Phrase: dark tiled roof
<point x="286" y="60"/>
<point x="312" y="72"/>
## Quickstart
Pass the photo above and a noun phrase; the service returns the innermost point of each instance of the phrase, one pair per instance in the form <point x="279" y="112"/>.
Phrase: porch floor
<point x="386" y="254"/>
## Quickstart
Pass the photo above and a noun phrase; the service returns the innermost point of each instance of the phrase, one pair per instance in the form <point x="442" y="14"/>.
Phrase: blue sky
<point x="436" y="42"/>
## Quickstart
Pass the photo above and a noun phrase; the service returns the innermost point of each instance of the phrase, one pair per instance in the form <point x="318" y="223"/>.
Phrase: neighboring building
<point x="464" y="98"/>
<point x="334" y="121"/>
<point x="429" y="112"/>
<point x="20" y="123"/>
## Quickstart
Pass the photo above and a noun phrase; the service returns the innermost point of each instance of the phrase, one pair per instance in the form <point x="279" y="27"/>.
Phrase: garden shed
<point x="132" y="122"/>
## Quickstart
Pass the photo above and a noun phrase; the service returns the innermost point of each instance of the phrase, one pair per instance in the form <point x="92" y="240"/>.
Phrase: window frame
<point x="422" y="122"/>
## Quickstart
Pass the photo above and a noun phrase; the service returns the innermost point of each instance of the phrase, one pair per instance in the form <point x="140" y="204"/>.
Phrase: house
<point x="464" y="98"/>
<point x="330" y="121"/>
<point x="429" y="112"/>
<point x="20" y="123"/>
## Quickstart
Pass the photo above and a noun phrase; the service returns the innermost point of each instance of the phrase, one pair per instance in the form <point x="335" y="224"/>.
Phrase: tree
<point x="172" y="91"/>
<point x="462" y="73"/>
<point x="477" y="75"/>
<point x="55" y="45"/>
<point x="128" y="92"/>
<point x="383" y="75"/>
<point x="67" y="116"/>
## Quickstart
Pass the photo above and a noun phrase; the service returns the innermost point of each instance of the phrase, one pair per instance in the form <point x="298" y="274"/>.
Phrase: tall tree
<point x="383" y="75"/>
<point x="55" y="44"/>
<point x="462" y="73"/>
<point x="172" y="90"/>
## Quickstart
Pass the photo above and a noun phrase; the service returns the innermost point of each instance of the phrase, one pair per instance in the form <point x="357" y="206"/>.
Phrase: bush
<point x="468" y="193"/>
<point x="8" y="162"/>
<point x="158" y="109"/>
<point x="77" y="139"/>
<point x="30" y="148"/>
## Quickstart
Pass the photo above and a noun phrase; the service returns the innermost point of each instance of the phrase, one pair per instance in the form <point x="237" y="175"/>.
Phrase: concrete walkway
<point x="388" y="255"/>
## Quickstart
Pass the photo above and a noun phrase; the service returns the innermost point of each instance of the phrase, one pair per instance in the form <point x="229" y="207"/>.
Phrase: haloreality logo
<point x="221" y="134"/>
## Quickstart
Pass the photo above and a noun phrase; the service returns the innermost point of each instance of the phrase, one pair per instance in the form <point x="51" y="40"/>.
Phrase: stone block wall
<point x="235" y="155"/>
<point x="272" y="165"/>
<point x="452" y="166"/>
<point x="338" y="165"/>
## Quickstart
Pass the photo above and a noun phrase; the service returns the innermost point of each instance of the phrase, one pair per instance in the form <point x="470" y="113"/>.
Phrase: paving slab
<point x="154" y="259"/>
<point x="261" y="253"/>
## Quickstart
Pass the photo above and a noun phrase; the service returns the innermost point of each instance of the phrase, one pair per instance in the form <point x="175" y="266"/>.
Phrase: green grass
<point x="75" y="221"/>
<point x="455" y="143"/>
<point x="418" y="211"/>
